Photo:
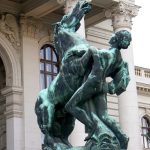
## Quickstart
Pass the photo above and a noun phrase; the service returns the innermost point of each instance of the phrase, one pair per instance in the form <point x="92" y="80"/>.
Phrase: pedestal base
<point x="102" y="139"/>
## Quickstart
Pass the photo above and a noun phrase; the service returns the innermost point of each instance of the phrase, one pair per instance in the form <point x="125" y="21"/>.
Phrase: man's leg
<point x="91" y="87"/>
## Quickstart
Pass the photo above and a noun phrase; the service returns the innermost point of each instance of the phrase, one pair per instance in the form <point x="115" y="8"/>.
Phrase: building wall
<point x="25" y="74"/>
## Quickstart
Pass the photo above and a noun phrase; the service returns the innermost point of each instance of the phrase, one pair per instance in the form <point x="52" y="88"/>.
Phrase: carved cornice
<point x="10" y="28"/>
<point x="30" y="27"/>
<point x="122" y="14"/>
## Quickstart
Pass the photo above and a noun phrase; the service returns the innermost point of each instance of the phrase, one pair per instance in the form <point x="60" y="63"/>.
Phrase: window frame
<point x="54" y="64"/>
<point x="146" y="141"/>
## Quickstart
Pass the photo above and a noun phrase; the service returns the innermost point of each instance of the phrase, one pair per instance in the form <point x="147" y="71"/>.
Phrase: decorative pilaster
<point x="30" y="27"/>
<point x="121" y="16"/>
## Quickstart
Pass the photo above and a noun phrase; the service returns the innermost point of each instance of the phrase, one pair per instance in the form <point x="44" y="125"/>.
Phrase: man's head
<point x="121" y="39"/>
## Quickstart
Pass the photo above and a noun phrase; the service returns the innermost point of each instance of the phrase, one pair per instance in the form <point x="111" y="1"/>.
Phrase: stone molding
<point x="14" y="101"/>
<point x="10" y="58"/>
<point x="145" y="106"/>
<point x="30" y="27"/>
<point x="147" y="111"/>
<point x="10" y="28"/>
<point x="11" y="90"/>
<point x="143" y="90"/>
<point x="122" y="14"/>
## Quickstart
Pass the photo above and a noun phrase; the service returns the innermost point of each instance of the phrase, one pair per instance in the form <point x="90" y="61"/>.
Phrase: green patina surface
<point x="80" y="89"/>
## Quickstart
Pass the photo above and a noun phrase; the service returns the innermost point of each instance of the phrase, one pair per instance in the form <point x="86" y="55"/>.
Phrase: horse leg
<point x="44" y="110"/>
<point x="45" y="113"/>
<point x="67" y="127"/>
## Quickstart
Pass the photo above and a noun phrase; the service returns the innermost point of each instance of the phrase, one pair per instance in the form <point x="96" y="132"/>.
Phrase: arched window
<point x="2" y="75"/>
<point x="145" y="132"/>
<point x="49" y="65"/>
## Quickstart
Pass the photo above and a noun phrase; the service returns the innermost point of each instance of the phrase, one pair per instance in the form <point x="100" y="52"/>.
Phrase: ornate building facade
<point x="28" y="63"/>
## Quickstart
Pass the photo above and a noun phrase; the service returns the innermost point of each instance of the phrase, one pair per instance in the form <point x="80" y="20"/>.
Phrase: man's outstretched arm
<point x="120" y="80"/>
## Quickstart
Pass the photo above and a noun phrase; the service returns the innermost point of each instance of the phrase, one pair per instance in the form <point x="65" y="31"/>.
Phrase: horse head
<point x="64" y="32"/>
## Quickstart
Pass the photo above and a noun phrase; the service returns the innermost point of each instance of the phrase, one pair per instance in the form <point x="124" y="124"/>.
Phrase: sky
<point x="141" y="35"/>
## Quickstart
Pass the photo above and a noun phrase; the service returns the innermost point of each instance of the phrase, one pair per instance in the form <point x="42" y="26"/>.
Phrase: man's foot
<point x="90" y="134"/>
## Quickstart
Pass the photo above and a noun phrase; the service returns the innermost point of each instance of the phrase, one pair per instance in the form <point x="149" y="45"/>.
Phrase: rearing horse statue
<point x="82" y="79"/>
<point x="74" y="54"/>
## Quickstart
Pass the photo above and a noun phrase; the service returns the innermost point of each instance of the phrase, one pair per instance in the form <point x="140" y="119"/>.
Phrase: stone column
<point x="31" y="80"/>
<point x="14" y="118"/>
<point x="78" y="135"/>
<point x="122" y="16"/>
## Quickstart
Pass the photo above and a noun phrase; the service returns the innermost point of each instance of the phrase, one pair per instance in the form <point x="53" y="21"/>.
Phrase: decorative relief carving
<point x="30" y="26"/>
<point x="122" y="14"/>
<point x="9" y="27"/>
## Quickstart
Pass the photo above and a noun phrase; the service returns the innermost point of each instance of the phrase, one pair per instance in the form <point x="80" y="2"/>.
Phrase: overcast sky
<point x="141" y="35"/>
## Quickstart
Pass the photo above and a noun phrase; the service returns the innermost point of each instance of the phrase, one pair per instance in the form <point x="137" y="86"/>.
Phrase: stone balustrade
<point x="142" y="72"/>
<point x="142" y="80"/>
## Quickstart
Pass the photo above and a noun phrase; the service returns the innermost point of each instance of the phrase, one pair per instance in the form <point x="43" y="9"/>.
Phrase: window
<point x="2" y="75"/>
<point x="146" y="132"/>
<point x="49" y="65"/>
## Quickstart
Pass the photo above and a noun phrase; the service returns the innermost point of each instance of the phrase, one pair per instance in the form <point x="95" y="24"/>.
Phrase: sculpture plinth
<point x="80" y="89"/>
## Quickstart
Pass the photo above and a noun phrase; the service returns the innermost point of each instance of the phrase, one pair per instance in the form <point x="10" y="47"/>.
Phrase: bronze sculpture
<point x="82" y="79"/>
